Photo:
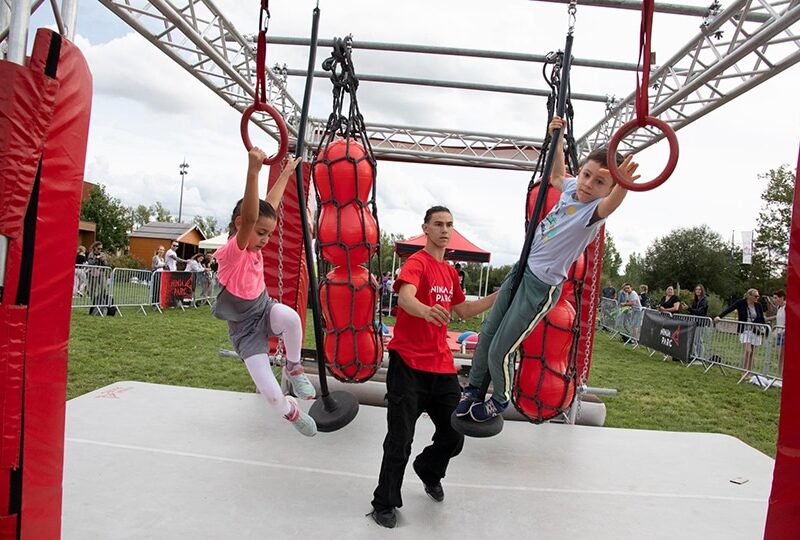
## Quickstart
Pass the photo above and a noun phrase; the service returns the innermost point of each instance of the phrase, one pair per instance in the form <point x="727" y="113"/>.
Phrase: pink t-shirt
<point x="241" y="271"/>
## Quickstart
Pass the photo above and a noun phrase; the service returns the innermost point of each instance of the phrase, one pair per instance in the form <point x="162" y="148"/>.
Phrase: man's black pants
<point x="410" y="393"/>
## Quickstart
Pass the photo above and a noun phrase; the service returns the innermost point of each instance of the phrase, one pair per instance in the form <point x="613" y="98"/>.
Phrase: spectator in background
<point x="199" y="278"/>
<point x="96" y="257"/>
<point x="670" y="303"/>
<point x="628" y="297"/>
<point x="79" y="283"/>
<point x="644" y="296"/>
<point x="213" y="265"/>
<point x="699" y="307"/>
<point x="779" y="300"/>
<point x="462" y="277"/>
<point x="158" y="260"/>
<point x="97" y="277"/>
<point x="172" y="258"/>
<point x="609" y="291"/>
<point x="748" y="310"/>
<point x="631" y="306"/>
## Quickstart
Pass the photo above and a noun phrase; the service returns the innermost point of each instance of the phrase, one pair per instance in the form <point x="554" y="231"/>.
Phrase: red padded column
<point x="783" y="517"/>
<point x="54" y="220"/>
<point x="295" y="274"/>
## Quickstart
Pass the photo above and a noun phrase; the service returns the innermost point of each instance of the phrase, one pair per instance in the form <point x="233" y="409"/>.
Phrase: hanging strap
<point x="645" y="60"/>
<point x="643" y="118"/>
<point x="260" y="102"/>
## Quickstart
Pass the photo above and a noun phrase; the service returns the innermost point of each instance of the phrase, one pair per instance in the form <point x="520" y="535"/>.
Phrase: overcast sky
<point x="148" y="114"/>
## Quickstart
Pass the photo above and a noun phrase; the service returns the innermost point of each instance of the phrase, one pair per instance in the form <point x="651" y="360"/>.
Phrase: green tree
<point x="387" y="241"/>
<point x="112" y="218"/>
<point x="612" y="260"/>
<point x="161" y="214"/>
<point x="141" y="215"/>
<point x="208" y="225"/>
<point x="771" y="244"/>
<point x="694" y="255"/>
<point x="635" y="272"/>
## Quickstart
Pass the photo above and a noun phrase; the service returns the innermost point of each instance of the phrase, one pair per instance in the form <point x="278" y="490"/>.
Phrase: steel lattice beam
<point x="731" y="55"/>
<point x="199" y="38"/>
<point x="739" y="48"/>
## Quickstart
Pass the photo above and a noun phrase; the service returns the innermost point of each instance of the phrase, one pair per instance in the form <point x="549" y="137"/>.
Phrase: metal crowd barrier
<point x="624" y="321"/>
<point x="90" y="288"/>
<point x="756" y="350"/>
<point x="205" y="288"/>
<point x="100" y="289"/>
<point x="131" y="288"/>
<point x="746" y="347"/>
<point x="703" y="334"/>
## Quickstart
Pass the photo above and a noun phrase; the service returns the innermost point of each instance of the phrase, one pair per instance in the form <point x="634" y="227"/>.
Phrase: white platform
<point x="146" y="461"/>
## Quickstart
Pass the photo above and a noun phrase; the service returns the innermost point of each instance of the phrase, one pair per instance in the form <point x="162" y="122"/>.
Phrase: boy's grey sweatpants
<point x="506" y="328"/>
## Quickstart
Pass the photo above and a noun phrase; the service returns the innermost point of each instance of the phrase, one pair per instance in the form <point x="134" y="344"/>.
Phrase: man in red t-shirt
<point x="422" y="375"/>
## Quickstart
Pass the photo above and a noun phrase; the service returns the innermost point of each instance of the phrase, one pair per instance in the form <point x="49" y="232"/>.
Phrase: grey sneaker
<point x="300" y="420"/>
<point x="300" y="384"/>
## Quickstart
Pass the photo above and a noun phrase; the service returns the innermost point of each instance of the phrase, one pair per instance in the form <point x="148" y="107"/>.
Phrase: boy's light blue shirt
<point x="563" y="235"/>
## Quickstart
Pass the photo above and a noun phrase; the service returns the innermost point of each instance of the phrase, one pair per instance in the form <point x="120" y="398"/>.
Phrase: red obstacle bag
<point x="353" y="347"/>
<point x="544" y="383"/>
<point x="348" y="235"/>
<point x="343" y="172"/>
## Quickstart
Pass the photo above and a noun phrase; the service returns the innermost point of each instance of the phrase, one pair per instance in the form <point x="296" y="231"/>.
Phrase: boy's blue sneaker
<point x="469" y="396"/>
<point x="481" y="412"/>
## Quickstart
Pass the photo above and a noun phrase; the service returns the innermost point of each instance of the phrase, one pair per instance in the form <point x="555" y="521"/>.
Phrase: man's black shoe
<point x="385" y="518"/>
<point x="435" y="491"/>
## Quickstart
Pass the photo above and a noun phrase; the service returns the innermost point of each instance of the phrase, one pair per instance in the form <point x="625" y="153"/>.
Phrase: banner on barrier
<point x="175" y="288"/>
<point x="673" y="337"/>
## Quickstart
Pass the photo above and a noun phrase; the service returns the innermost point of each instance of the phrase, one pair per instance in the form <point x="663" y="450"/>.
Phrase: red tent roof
<point x="459" y="248"/>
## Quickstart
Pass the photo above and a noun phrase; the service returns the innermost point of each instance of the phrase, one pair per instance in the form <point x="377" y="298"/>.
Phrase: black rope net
<point x="546" y="373"/>
<point x="344" y="173"/>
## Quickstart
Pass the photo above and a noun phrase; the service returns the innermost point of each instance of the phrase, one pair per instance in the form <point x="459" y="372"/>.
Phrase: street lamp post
<point x="183" y="166"/>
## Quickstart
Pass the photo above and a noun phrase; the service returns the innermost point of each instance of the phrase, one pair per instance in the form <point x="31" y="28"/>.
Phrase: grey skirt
<point x="248" y="322"/>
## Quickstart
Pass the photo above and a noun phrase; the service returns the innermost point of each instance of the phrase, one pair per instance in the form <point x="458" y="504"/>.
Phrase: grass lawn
<point x="181" y="348"/>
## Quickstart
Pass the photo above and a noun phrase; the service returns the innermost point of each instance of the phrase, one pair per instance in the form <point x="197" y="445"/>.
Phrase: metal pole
<point x="541" y="196"/>
<point x="18" y="31"/>
<point x="69" y="14"/>
<point x="333" y="410"/>
<point x="455" y="51"/>
<point x="183" y="172"/>
<point x="454" y="84"/>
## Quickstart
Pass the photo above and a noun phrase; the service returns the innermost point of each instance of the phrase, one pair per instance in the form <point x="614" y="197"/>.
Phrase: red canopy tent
<point x="459" y="249"/>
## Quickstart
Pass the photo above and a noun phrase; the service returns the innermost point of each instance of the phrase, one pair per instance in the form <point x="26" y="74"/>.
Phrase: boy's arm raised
<point x="276" y="193"/>
<point x="617" y="195"/>
<point x="559" y="170"/>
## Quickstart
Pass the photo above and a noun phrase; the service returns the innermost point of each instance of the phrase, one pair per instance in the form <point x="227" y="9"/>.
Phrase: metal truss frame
<point x="737" y="48"/>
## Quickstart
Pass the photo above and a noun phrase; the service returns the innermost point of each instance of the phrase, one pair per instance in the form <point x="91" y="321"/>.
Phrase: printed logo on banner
<point x="671" y="339"/>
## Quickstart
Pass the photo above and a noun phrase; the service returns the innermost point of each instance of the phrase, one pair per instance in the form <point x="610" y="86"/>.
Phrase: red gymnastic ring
<point x="283" y="133"/>
<point x="629" y="127"/>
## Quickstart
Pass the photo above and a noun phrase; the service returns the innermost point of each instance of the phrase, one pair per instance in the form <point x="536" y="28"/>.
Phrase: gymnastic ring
<point x="629" y="127"/>
<point x="283" y="133"/>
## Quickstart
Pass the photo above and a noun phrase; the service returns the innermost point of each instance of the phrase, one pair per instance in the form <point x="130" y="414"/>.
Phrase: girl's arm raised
<point x="276" y="193"/>
<point x="249" y="213"/>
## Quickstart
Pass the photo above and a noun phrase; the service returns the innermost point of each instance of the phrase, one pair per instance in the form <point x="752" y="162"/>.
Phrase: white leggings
<point x="285" y="322"/>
